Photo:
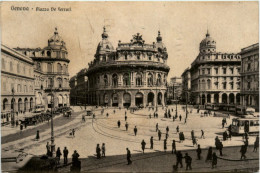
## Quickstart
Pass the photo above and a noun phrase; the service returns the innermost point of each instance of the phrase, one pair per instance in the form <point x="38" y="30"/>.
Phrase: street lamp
<point x="52" y="131"/>
<point x="85" y="81"/>
<point x="13" y="116"/>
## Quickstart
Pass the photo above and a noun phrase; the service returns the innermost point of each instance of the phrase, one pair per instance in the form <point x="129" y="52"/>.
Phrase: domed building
<point x="132" y="75"/>
<point x="50" y="72"/>
<point x="215" y="77"/>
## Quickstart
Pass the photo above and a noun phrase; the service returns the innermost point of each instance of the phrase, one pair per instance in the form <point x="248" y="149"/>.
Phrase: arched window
<point x="203" y="85"/>
<point x="49" y="67"/>
<point x="150" y="79"/>
<point x="126" y="79"/>
<point x="64" y="68"/>
<point x="115" y="80"/>
<point x="48" y="53"/>
<point x="59" y="68"/>
<point x="105" y="80"/>
<point x="138" y="79"/>
<point x="125" y="56"/>
<point x="209" y="84"/>
<point x="5" y="102"/>
<point x="159" y="80"/>
<point x="59" y="82"/>
<point x="50" y="83"/>
<point x="39" y="66"/>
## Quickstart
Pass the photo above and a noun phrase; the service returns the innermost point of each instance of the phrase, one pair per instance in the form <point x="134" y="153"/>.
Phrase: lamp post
<point x="186" y="93"/>
<point x="156" y="108"/>
<point x="13" y="116"/>
<point x="85" y="81"/>
<point x="52" y="131"/>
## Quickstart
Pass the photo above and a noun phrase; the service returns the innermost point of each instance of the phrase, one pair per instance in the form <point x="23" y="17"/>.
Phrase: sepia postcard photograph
<point x="141" y="86"/>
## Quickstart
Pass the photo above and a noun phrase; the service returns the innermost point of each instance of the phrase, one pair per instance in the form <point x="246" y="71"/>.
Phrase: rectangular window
<point x="231" y="85"/>
<point x="203" y="71"/>
<point x="216" y="70"/>
<point x="224" y="70"/>
<point x="208" y="70"/>
<point x="231" y="70"/>
<point x="224" y="85"/>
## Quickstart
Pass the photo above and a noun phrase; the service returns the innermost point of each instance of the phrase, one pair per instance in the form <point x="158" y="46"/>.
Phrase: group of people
<point x="99" y="150"/>
<point x="58" y="153"/>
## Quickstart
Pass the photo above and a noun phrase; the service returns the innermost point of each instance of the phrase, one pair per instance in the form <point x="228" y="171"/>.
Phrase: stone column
<point x="212" y="98"/>
<point x="133" y="99"/>
<point x="163" y="104"/>
<point x="109" y="99"/>
<point x="120" y="99"/>
<point x="145" y="99"/>
<point x="220" y="98"/>
<point x="228" y="98"/>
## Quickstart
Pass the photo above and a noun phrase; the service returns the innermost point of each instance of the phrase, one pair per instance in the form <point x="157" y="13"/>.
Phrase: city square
<point x="140" y="87"/>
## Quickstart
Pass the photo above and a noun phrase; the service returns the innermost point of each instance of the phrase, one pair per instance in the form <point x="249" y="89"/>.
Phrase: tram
<point x="241" y="125"/>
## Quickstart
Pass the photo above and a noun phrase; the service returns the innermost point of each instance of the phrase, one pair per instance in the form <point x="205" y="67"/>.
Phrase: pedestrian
<point x="209" y="155"/>
<point x="159" y="134"/>
<point x="214" y="160"/>
<point x="94" y="116"/>
<point x="107" y="114"/>
<point x="73" y="132"/>
<point x="192" y="134"/>
<point x="128" y="156"/>
<point x="220" y="148"/>
<point x="166" y="136"/>
<point x="167" y="129"/>
<point x="37" y="135"/>
<point x="173" y="146"/>
<point x="177" y="129"/>
<point x="103" y="150"/>
<point x="243" y="151"/>
<point x="114" y="111"/>
<point x="202" y="134"/>
<point x="143" y="145"/>
<point x="198" y="152"/>
<point x="194" y="141"/>
<point x="48" y="149"/>
<point x="135" y="130"/>
<point x="58" y="154"/>
<point x="185" y="120"/>
<point x="151" y="142"/>
<point x="165" y="145"/>
<point x="223" y="123"/>
<point x="75" y="157"/>
<point x="65" y="154"/>
<point x="188" y="161"/>
<point x="224" y="135"/>
<point x="180" y="117"/>
<point x="256" y="143"/>
<point x="217" y="141"/>
<point x="126" y="126"/>
<point x="157" y="127"/>
<point x="179" y="159"/>
<point x="118" y="123"/>
<point x="150" y="115"/>
<point x="125" y="117"/>
<point x="98" y="150"/>
<point x="154" y="114"/>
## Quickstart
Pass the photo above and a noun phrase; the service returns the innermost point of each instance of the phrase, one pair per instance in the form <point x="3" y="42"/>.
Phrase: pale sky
<point x="233" y="25"/>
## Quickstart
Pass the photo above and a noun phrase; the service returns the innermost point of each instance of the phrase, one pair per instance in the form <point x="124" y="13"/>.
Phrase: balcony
<point x="107" y="87"/>
<point x="128" y="63"/>
<point x="57" y="73"/>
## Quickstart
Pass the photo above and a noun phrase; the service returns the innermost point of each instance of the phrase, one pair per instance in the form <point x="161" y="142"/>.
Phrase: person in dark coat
<point x="157" y="127"/>
<point x="202" y="134"/>
<point x="225" y="135"/>
<point x="209" y="155"/>
<point x="58" y="154"/>
<point x="214" y="160"/>
<point x="65" y="154"/>
<point x="151" y="143"/>
<point x="198" y="152"/>
<point x="180" y="117"/>
<point x="177" y="129"/>
<point x="126" y="126"/>
<point x="159" y="134"/>
<point x="48" y="148"/>
<point x="125" y="117"/>
<point x="179" y="159"/>
<point x="128" y="156"/>
<point x="118" y="123"/>
<point x="243" y="151"/>
<point x="220" y="148"/>
<point x="173" y="146"/>
<point x="192" y="134"/>
<point x="103" y="150"/>
<point x="256" y="143"/>
<point x="223" y="123"/>
<point x="188" y="161"/>
<point x="135" y="130"/>
<point x="165" y="145"/>
<point x="73" y="132"/>
<point x="194" y="141"/>
<point x="37" y="135"/>
<point x="98" y="150"/>
<point x="167" y="129"/>
<point x="75" y="157"/>
<point x="143" y="145"/>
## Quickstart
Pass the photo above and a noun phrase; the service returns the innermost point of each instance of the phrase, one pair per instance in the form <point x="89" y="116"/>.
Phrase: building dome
<point x="56" y="41"/>
<point x="104" y="45"/>
<point x="208" y="44"/>
<point x="159" y="44"/>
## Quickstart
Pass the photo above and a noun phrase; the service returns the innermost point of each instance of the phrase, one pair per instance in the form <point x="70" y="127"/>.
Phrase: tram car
<point x="241" y="125"/>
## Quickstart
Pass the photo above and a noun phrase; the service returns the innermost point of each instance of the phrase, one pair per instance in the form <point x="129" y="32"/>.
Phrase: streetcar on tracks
<point x="241" y="125"/>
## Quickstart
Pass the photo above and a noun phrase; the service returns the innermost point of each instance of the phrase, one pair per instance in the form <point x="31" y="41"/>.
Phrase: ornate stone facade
<point x="215" y="76"/>
<point x="133" y="74"/>
<point x="50" y="72"/>
<point x="250" y="76"/>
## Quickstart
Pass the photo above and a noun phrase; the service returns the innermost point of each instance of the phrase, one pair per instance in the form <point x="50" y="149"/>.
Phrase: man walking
<point x="179" y="159"/>
<point x="135" y="130"/>
<point x="151" y="143"/>
<point x="198" y="152"/>
<point x="173" y="146"/>
<point x="65" y="154"/>
<point x="118" y="123"/>
<point x="202" y="134"/>
<point x="128" y="156"/>
<point x="143" y="145"/>
<point x="103" y="150"/>
<point x="165" y="145"/>
<point x="159" y="134"/>
<point x="157" y="127"/>
<point x="180" y="117"/>
<point x="243" y="151"/>
<point x="188" y="161"/>
<point x="177" y="129"/>
<point x="126" y="126"/>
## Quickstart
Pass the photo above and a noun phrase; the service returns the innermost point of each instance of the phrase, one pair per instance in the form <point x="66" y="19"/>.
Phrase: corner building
<point x="215" y="77"/>
<point x="132" y="75"/>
